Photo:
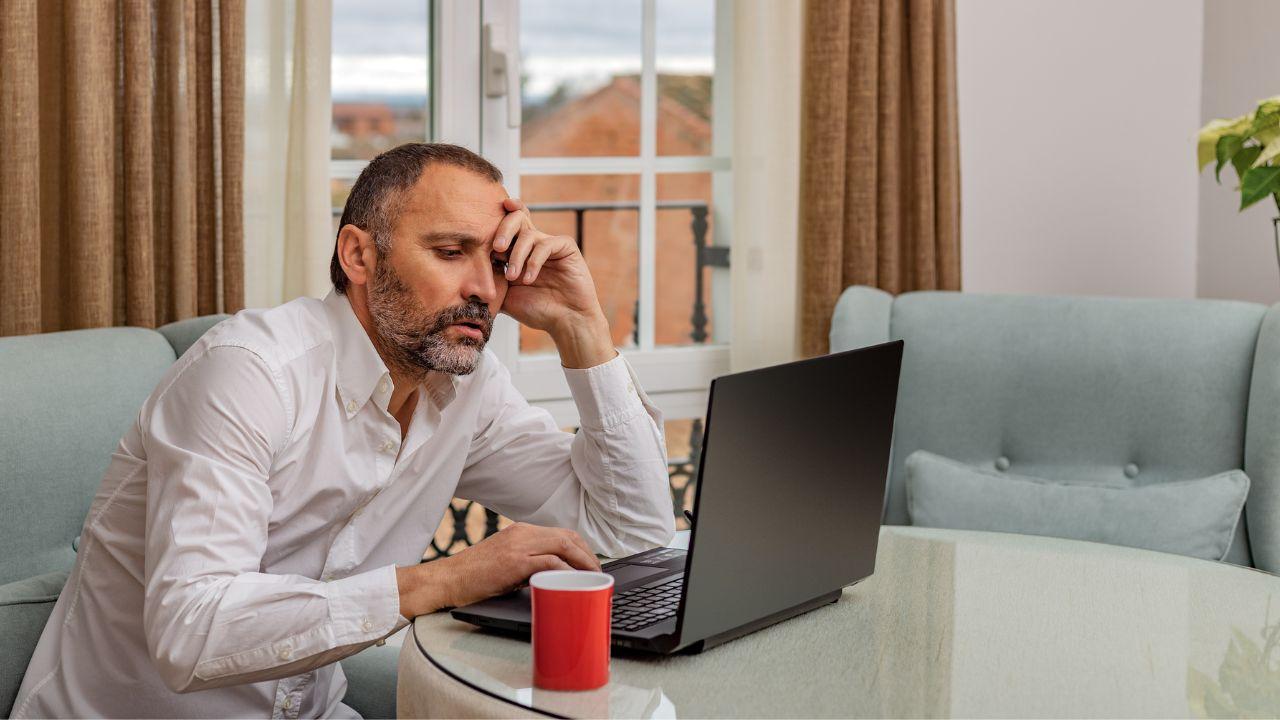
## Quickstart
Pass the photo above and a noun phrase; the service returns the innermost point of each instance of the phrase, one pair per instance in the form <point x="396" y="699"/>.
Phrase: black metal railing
<point x="683" y="472"/>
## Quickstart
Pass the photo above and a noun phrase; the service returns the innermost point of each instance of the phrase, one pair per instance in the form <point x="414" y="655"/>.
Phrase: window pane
<point x="379" y="76"/>
<point x="691" y="276"/>
<point x="580" y="77"/>
<point x="606" y="206"/>
<point x="339" y="189"/>
<point x="684" y="448"/>
<point x="685" y="63"/>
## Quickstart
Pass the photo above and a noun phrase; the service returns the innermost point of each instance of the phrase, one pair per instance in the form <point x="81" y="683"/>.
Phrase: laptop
<point x="789" y="499"/>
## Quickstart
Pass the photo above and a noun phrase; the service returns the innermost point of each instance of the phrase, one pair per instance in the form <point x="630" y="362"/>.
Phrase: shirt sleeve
<point x="608" y="481"/>
<point x="210" y="616"/>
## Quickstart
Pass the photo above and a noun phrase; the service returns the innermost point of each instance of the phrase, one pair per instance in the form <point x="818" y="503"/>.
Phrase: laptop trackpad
<point x="624" y="574"/>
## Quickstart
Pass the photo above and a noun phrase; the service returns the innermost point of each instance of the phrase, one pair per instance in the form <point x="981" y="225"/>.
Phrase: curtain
<point x="768" y="37"/>
<point x="880" y="170"/>
<point x="122" y="137"/>
<point x="288" y="217"/>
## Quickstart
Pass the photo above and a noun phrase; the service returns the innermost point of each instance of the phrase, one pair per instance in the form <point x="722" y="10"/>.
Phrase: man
<point x="267" y="513"/>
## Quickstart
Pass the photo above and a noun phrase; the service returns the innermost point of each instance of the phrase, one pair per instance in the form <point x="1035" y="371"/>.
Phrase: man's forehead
<point x="455" y="197"/>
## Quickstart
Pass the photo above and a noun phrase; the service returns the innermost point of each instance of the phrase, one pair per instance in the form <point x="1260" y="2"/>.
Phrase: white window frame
<point x="676" y="379"/>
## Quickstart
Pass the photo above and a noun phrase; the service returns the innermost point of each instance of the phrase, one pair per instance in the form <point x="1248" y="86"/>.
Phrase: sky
<point x="380" y="46"/>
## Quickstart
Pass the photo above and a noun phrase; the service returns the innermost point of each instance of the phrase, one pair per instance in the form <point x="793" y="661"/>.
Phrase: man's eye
<point x="449" y="253"/>
<point x="499" y="265"/>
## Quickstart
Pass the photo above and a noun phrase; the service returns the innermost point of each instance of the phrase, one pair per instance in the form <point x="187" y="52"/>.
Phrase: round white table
<point x="952" y="623"/>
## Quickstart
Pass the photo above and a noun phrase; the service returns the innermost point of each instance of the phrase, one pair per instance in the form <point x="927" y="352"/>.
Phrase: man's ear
<point x="357" y="254"/>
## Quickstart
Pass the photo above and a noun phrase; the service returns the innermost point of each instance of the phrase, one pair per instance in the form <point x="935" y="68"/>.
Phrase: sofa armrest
<point x="1262" y="446"/>
<point x="861" y="318"/>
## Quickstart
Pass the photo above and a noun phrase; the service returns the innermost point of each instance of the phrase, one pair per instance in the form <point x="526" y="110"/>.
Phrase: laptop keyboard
<point x="643" y="606"/>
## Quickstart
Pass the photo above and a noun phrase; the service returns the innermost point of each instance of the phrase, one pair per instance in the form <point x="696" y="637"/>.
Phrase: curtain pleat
<point x="880" y="155"/>
<point x="139" y="176"/>
<point x="121" y="203"/>
<point x="19" y="169"/>
<point x="231" y="20"/>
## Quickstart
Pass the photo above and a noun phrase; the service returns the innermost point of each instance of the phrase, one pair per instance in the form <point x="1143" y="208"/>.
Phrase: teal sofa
<point x="68" y="398"/>
<point x="1118" y="391"/>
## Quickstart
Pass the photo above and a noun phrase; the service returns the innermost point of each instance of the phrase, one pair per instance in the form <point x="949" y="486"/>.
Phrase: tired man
<point x="267" y="513"/>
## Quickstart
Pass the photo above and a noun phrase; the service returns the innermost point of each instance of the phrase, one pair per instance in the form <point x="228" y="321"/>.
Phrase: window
<point x="621" y="138"/>
<point x="380" y="84"/>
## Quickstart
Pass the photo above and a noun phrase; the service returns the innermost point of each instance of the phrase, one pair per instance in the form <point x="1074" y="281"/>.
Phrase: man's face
<point x="433" y="297"/>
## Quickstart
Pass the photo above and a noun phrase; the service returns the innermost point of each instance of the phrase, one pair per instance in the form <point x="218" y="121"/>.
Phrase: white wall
<point x="1077" y="145"/>
<point x="1237" y="251"/>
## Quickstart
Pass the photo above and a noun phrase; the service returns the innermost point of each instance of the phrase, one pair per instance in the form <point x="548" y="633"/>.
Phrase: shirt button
<point x="351" y="406"/>
<point x="328" y="577"/>
<point x="631" y="387"/>
<point x="383" y="386"/>
<point x="285" y="653"/>
<point x="288" y="703"/>
<point x="367" y="626"/>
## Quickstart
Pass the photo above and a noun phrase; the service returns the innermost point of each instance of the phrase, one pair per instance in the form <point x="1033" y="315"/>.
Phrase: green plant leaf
<point x="1270" y="149"/>
<point x="1207" y="140"/>
<point x="1258" y="183"/>
<point x="1228" y="146"/>
<point x="1244" y="160"/>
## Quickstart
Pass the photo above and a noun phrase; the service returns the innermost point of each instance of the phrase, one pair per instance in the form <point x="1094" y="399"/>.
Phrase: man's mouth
<point x="471" y="329"/>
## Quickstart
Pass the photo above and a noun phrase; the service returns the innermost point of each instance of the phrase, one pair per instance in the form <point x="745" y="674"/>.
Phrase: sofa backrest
<point x="68" y="399"/>
<point x="1122" y="391"/>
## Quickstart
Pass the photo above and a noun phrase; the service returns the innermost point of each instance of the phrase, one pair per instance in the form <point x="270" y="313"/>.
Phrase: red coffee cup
<point x="571" y="611"/>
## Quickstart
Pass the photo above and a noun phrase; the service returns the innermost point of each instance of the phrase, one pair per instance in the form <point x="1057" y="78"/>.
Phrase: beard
<point x="413" y="338"/>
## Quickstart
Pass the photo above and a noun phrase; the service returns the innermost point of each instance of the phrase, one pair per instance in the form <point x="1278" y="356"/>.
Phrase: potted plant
<point x="1251" y="144"/>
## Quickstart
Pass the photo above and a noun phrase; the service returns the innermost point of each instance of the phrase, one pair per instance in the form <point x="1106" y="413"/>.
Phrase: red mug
<point x="571" y="614"/>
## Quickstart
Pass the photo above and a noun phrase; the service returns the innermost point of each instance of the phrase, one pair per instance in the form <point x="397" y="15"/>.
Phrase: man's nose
<point x="479" y="283"/>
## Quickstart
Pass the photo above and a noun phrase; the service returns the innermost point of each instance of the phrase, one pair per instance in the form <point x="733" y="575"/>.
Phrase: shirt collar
<point x="362" y="375"/>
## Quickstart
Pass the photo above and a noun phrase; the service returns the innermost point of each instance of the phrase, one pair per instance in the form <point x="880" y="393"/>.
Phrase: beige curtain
<point x="121" y="171"/>
<point x="767" y="57"/>
<point x="880" y="171"/>
<point x="288" y="231"/>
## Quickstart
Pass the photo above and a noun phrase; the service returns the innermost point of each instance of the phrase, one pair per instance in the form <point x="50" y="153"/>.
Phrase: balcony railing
<point x="683" y="471"/>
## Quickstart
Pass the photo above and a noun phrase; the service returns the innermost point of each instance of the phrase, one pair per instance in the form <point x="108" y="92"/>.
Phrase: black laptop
<point x="787" y="510"/>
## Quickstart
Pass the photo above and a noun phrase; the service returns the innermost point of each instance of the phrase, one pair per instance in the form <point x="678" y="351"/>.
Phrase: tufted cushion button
<point x="1131" y="470"/>
<point x="1002" y="463"/>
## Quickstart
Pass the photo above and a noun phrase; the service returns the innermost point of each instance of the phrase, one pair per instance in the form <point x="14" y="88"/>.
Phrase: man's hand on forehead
<point x="522" y="248"/>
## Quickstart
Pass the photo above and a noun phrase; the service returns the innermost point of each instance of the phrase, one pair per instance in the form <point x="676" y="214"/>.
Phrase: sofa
<point x="68" y="398"/>
<point x="1116" y="391"/>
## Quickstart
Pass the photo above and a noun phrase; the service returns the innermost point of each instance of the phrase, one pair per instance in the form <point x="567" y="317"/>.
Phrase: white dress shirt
<point x="246" y="534"/>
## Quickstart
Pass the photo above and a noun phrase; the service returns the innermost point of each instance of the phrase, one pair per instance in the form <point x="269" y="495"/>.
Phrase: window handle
<point x="501" y="69"/>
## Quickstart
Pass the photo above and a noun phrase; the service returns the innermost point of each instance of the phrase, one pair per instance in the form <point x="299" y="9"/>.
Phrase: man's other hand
<point x="496" y="565"/>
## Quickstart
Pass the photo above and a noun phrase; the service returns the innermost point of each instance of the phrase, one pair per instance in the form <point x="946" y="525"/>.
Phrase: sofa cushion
<point x="25" y="606"/>
<point x="184" y="333"/>
<point x="68" y="399"/>
<point x="371" y="680"/>
<point x="1191" y="517"/>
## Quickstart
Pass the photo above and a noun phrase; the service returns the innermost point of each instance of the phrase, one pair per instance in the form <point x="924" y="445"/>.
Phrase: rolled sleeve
<point x="608" y="394"/>
<point x="608" y="482"/>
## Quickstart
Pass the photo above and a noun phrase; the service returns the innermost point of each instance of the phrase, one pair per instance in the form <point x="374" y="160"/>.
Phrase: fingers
<point x="507" y="230"/>
<point x="577" y="540"/>
<point x="538" y="563"/>
<point x="519" y="254"/>
<point x="562" y="543"/>
<point x="537" y="257"/>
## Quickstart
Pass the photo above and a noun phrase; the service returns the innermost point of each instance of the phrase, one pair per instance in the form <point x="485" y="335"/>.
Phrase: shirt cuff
<point x="607" y="395"/>
<point x="365" y="606"/>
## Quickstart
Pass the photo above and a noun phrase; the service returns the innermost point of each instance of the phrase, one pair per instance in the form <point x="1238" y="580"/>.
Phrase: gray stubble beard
<point x="399" y="320"/>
